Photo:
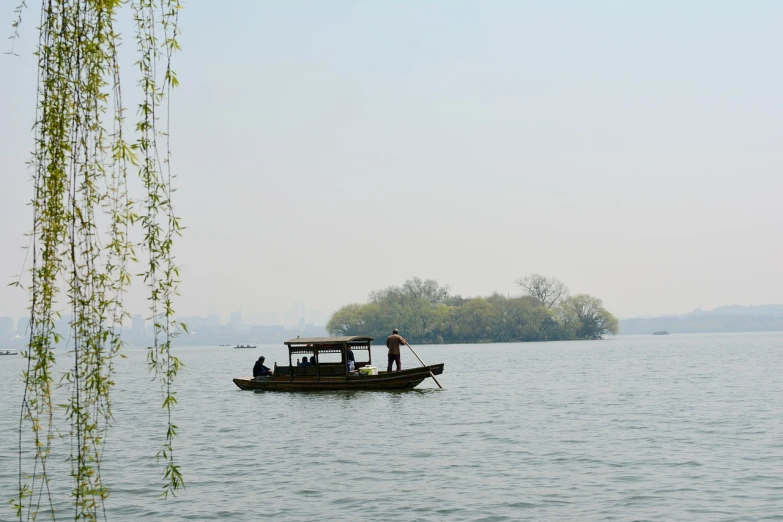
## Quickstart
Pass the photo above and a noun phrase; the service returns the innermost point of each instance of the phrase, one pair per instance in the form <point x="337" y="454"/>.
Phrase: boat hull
<point x="402" y="380"/>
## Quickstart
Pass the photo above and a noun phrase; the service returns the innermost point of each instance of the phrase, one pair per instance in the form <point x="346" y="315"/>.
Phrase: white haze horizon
<point x="326" y="150"/>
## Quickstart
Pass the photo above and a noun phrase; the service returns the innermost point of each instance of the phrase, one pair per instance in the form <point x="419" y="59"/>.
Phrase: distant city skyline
<point x="139" y="323"/>
<point x="207" y="329"/>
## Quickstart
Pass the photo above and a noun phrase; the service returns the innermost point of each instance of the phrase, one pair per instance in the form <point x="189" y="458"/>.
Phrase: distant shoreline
<point x="725" y="319"/>
<point x="623" y="334"/>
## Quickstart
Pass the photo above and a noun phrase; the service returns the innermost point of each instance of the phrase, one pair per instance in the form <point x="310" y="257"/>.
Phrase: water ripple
<point x="689" y="429"/>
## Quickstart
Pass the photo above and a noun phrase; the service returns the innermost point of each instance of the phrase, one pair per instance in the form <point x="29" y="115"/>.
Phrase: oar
<point x="422" y="363"/>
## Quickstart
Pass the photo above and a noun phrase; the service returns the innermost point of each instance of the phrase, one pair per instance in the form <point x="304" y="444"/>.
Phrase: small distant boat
<point x="8" y="352"/>
<point x="225" y="344"/>
<point x="661" y="332"/>
<point x="245" y="346"/>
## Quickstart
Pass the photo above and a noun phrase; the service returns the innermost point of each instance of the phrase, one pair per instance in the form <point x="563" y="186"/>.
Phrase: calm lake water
<point x="683" y="427"/>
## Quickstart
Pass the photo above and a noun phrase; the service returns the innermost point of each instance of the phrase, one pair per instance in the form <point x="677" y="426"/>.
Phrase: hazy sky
<point x="326" y="149"/>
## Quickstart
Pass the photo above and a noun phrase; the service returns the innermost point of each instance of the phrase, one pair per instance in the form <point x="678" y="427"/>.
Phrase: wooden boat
<point x="249" y="346"/>
<point x="661" y="332"/>
<point x="335" y="376"/>
<point x="8" y="352"/>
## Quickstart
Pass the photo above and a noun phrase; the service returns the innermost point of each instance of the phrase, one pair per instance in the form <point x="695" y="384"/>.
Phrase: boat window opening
<point x="297" y="357"/>
<point x="326" y="358"/>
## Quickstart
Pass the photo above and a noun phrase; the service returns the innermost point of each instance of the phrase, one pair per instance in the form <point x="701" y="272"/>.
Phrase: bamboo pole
<point x="422" y="363"/>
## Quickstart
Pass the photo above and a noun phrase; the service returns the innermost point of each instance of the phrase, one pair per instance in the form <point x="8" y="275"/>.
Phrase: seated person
<point x="312" y="360"/>
<point x="259" y="370"/>
<point x="303" y="362"/>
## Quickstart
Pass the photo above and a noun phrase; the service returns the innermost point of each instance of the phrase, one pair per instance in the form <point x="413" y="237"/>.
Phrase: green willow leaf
<point x="81" y="251"/>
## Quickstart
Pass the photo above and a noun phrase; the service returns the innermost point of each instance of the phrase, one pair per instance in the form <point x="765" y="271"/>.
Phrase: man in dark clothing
<point x="304" y="362"/>
<point x="350" y="360"/>
<point x="393" y="343"/>
<point x="259" y="370"/>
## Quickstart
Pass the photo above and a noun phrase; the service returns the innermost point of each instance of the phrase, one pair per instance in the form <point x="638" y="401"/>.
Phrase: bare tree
<point x="429" y="290"/>
<point x="549" y="290"/>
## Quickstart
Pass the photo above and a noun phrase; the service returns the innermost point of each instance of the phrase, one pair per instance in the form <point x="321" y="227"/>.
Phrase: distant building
<point x="192" y="322"/>
<point x="269" y="318"/>
<point x="316" y="317"/>
<point x="299" y="312"/>
<point x="236" y="319"/>
<point x="289" y="318"/>
<point x="138" y="327"/>
<point x="294" y="315"/>
<point x="6" y="327"/>
<point x="21" y="326"/>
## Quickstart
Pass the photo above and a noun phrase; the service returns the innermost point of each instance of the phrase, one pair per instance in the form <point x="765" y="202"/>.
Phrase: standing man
<point x="393" y="343"/>
<point x="350" y="359"/>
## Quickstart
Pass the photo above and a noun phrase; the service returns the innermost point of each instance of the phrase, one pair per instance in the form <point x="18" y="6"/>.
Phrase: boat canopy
<point x="321" y="341"/>
<point x="328" y="344"/>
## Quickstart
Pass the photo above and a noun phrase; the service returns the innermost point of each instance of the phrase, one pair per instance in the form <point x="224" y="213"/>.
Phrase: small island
<point x="429" y="313"/>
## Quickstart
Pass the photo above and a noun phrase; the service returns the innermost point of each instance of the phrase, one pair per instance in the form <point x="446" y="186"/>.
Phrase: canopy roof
<point x="349" y="339"/>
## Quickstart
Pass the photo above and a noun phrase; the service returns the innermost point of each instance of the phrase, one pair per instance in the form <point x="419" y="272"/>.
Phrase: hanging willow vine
<point x="81" y="240"/>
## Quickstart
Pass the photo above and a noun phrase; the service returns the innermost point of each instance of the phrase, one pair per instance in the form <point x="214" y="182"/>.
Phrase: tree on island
<point x="549" y="290"/>
<point x="429" y="313"/>
<point x="593" y="319"/>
